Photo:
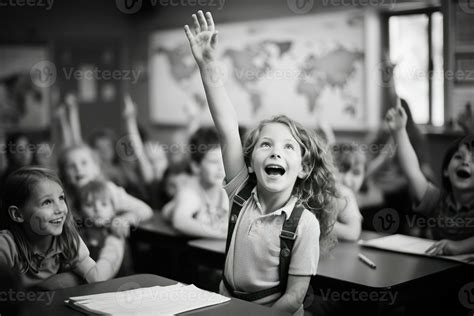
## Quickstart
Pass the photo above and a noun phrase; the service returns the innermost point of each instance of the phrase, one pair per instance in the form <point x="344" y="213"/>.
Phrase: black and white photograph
<point x="237" y="157"/>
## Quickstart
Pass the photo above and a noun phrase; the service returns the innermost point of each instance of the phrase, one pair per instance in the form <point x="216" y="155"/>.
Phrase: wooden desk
<point x="57" y="306"/>
<point x="158" y="248"/>
<point x="411" y="277"/>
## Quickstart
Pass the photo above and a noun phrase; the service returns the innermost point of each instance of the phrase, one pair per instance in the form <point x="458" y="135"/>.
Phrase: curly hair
<point x="317" y="191"/>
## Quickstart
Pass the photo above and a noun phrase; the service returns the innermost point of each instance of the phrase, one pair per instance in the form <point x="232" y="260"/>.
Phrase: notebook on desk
<point x="410" y="245"/>
<point x="156" y="300"/>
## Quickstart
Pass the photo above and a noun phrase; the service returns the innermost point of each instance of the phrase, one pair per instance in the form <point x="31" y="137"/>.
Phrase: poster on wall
<point x="309" y="68"/>
<point x="25" y="79"/>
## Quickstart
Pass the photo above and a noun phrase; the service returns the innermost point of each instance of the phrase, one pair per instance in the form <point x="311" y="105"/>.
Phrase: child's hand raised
<point x="129" y="110"/>
<point x="396" y="118"/>
<point x="202" y="38"/>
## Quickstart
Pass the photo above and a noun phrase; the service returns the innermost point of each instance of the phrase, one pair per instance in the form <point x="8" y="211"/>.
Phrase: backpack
<point x="287" y="240"/>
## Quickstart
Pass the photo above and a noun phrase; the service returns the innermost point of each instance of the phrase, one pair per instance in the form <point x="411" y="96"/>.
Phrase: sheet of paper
<point x="411" y="245"/>
<point x="158" y="300"/>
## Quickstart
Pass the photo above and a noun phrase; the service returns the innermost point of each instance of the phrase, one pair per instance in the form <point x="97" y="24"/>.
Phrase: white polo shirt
<point x="253" y="258"/>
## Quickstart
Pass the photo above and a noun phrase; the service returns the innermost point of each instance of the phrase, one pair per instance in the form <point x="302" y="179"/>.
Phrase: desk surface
<point x="58" y="307"/>
<point x="342" y="264"/>
<point x="157" y="224"/>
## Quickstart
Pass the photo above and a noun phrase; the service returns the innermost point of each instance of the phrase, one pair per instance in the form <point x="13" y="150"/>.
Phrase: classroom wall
<point x="88" y="23"/>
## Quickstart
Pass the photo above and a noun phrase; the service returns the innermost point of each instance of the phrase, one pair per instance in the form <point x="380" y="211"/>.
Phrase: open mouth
<point x="57" y="221"/>
<point x="275" y="170"/>
<point x="463" y="174"/>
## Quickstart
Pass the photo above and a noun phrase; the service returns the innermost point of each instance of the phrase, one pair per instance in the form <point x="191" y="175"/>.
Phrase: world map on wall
<point x="307" y="68"/>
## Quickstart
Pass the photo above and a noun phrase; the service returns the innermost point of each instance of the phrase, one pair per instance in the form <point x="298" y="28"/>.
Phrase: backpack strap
<point x="287" y="240"/>
<point x="237" y="203"/>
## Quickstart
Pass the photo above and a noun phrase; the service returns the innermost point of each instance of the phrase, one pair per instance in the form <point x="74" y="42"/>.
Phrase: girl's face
<point x="277" y="159"/>
<point x="354" y="177"/>
<point x="211" y="169"/>
<point x="99" y="209"/>
<point x="81" y="168"/>
<point x="44" y="213"/>
<point x="460" y="169"/>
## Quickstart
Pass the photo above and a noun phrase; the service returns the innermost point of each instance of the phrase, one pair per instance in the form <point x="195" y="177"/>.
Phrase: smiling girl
<point x="453" y="204"/>
<point x="288" y="170"/>
<point x="38" y="239"/>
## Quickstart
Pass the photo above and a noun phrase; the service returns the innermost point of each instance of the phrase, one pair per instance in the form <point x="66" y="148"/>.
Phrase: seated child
<point x="79" y="165"/>
<point x="201" y="207"/>
<point x="350" y="164"/>
<point x="101" y="230"/>
<point x="452" y="204"/>
<point x="38" y="238"/>
<point x="176" y="176"/>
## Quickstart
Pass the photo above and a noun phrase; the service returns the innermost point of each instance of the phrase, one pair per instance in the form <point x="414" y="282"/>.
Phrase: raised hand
<point x="129" y="109"/>
<point x="396" y="118"/>
<point x="202" y="38"/>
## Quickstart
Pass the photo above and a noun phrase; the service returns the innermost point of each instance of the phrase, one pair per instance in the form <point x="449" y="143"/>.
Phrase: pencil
<point x="367" y="261"/>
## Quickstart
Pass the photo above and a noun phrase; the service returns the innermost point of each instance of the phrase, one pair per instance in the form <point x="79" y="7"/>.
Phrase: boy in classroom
<point x="452" y="204"/>
<point x="281" y="185"/>
<point x="200" y="208"/>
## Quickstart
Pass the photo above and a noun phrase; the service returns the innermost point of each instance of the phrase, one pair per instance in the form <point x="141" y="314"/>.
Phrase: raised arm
<point x="64" y="126"/>
<point x="130" y="120"/>
<point x="73" y="117"/>
<point x="203" y="41"/>
<point x="396" y="119"/>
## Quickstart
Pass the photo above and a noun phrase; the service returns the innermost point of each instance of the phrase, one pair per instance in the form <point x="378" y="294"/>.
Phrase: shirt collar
<point x="452" y="205"/>
<point x="53" y="250"/>
<point x="287" y="208"/>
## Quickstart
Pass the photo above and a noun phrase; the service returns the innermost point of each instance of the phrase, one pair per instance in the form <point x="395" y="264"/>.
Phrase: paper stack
<point x="157" y="300"/>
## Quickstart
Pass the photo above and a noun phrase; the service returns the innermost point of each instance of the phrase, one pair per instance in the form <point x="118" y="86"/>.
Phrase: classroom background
<point x="331" y="64"/>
